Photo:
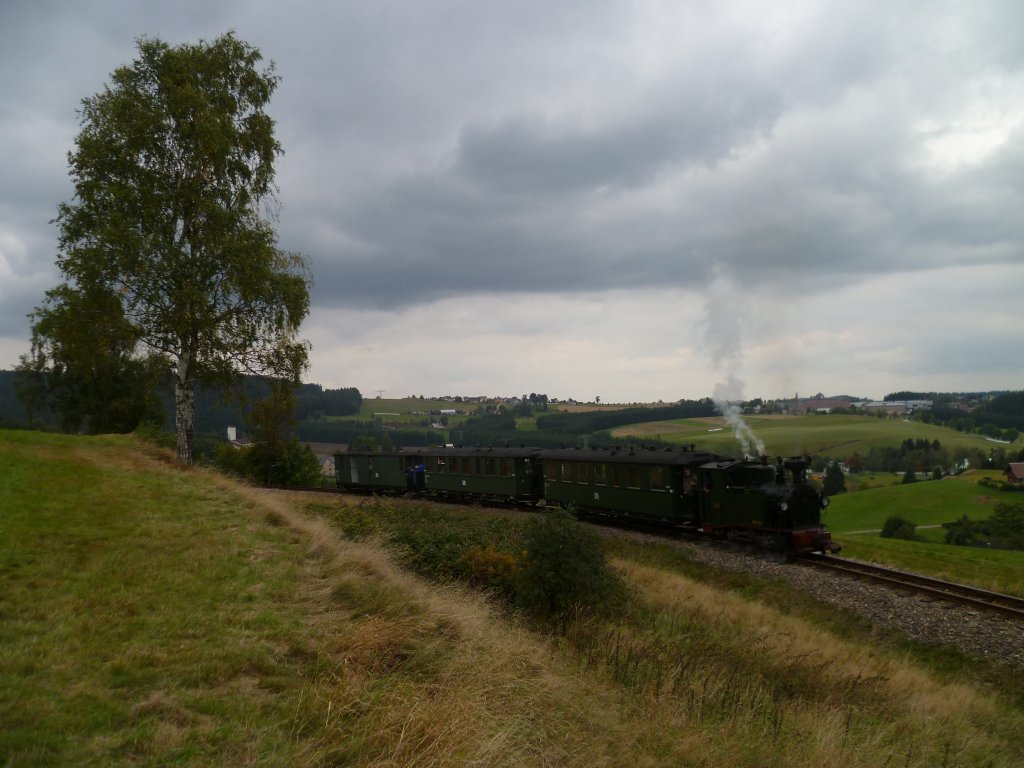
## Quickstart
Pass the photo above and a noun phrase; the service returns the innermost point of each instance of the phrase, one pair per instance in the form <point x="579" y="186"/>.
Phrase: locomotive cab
<point x="772" y="507"/>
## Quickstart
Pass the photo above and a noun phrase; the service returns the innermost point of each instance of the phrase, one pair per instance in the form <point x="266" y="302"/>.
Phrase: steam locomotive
<point x="769" y="505"/>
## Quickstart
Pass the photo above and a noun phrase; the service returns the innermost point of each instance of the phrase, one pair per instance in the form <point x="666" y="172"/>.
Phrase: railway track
<point x="993" y="602"/>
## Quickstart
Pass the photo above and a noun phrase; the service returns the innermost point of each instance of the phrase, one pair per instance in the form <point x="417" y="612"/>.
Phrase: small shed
<point x="1015" y="473"/>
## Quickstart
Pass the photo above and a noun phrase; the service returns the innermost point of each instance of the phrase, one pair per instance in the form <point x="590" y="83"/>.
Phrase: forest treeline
<point x="969" y="411"/>
<point x="216" y="408"/>
<point x="317" y="410"/>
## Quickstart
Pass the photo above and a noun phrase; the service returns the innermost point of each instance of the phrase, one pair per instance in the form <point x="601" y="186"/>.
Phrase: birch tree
<point x="173" y="212"/>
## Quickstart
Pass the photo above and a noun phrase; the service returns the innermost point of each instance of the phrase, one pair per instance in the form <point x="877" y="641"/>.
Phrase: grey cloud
<point x="446" y="149"/>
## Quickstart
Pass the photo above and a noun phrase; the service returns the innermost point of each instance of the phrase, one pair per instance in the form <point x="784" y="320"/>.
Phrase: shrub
<point x="1004" y="530"/>
<point x="152" y="432"/>
<point x="964" y="532"/>
<point x="835" y="481"/>
<point x="564" y="572"/>
<point x="288" y="463"/>
<point x="490" y="569"/>
<point x="897" y="527"/>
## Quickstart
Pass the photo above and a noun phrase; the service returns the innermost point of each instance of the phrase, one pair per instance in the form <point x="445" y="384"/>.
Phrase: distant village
<point x="818" y="403"/>
<point x="821" y="404"/>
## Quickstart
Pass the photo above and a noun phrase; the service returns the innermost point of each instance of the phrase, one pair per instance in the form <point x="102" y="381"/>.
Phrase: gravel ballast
<point x="975" y="633"/>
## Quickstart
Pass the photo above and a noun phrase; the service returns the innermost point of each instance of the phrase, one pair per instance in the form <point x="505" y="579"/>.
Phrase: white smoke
<point x="724" y="307"/>
<point x="750" y="443"/>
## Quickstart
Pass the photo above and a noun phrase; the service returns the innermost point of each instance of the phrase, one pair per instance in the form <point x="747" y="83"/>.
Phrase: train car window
<point x="478" y="466"/>
<point x="506" y="467"/>
<point x="550" y="470"/>
<point x="581" y="473"/>
<point x="689" y="482"/>
<point x="600" y="474"/>
<point x="566" y="472"/>
<point x="633" y="476"/>
<point x="657" y="478"/>
<point x="491" y="467"/>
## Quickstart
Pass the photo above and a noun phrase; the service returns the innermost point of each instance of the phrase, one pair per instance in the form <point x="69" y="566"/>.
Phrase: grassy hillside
<point x="152" y="616"/>
<point x="856" y="518"/>
<point x="926" y="503"/>
<point x="830" y="435"/>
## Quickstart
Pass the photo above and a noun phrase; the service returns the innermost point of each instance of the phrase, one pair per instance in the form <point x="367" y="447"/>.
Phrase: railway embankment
<point x="973" y="631"/>
<point x="152" y="615"/>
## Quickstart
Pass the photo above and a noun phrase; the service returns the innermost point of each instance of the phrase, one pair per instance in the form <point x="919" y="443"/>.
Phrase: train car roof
<point x="484" y="451"/>
<point x="391" y="452"/>
<point x="630" y="455"/>
<point x="722" y="463"/>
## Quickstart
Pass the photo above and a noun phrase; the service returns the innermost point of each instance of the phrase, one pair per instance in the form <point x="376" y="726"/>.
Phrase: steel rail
<point x="1006" y="605"/>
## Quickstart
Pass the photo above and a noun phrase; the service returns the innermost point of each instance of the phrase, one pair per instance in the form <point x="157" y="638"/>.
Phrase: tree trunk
<point x="184" y="413"/>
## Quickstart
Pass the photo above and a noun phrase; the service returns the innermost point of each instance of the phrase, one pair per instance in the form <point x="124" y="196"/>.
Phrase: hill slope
<point x="856" y="518"/>
<point x="152" y="616"/>
<point x="835" y="436"/>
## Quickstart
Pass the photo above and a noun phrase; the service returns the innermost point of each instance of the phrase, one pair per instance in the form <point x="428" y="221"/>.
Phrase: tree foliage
<point x="835" y="481"/>
<point x="1003" y="530"/>
<point x="897" y="527"/>
<point x="173" y="172"/>
<point x="83" y="365"/>
<point x="275" y="456"/>
<point x="592" y="421"/>
<point x="565" y="571"/>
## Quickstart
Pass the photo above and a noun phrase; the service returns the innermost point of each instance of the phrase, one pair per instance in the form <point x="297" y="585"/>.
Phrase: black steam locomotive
<point x="770" y="505"/>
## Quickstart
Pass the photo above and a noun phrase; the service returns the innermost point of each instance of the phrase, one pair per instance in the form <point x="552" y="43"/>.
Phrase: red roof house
<point x="1015" y="473"/>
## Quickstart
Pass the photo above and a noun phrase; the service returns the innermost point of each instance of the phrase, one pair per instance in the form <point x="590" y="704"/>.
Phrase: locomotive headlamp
<point x="783" y="506"/>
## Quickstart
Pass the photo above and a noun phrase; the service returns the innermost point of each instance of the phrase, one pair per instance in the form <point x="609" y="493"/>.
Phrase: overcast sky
<point x="631" y="200"/>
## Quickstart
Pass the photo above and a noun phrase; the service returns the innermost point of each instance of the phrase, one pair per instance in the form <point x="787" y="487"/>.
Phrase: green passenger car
<point x="500" y="473"/>
<point x="646" y="484"/>
<point x="388" y="472"/>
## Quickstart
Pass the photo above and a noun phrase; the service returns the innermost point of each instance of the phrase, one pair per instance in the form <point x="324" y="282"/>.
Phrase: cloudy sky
<point x="633" y="200"/>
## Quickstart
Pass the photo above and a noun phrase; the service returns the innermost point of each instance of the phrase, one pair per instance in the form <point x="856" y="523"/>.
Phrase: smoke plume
<point x="724" y="339"/>
<point x="750" y="443"/>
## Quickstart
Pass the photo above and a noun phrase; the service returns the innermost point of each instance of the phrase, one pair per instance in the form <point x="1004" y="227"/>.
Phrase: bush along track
<point x="780" y="673"/>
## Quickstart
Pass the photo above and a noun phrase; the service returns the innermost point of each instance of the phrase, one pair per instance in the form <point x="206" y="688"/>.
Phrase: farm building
<point x="1015" y="473"/>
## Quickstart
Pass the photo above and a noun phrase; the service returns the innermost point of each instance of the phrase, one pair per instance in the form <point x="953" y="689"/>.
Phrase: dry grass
<point x="867" y="706"/>
<point x="209" y="622"/>
<point x="429" y="675"/>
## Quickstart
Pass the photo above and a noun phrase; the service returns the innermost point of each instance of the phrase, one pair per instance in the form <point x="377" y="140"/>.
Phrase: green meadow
<point x="929" y="502"/>
<point x="834" y="436"/>
<point x="856" y="519"/>
<point x="154" y="616"/>
<point x="408" y="410"/>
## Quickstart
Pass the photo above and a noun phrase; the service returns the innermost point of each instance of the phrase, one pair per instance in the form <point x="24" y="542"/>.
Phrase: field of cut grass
<point x="929" y="502"/>
<point x="408" y="410"/>
<point x="151" y="616"/>
<point x="831" y="435"/>
<point x="856" y="519"/>
<point x="992" y="569"/>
